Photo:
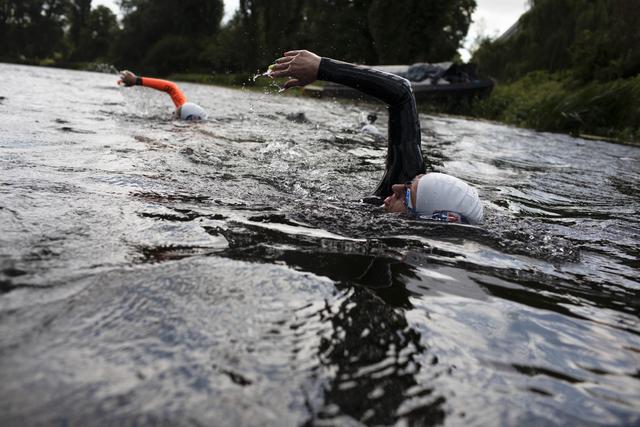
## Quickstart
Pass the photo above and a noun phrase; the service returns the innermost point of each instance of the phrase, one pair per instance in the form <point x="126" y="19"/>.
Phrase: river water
<point x="225" y="273"/>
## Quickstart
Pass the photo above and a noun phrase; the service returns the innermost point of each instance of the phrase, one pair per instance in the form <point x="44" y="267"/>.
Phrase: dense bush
<point x="571" y="66"/>
<point x="595" y="39"/>
<point x="554" y="102"/>
<point x="161" y="36"/>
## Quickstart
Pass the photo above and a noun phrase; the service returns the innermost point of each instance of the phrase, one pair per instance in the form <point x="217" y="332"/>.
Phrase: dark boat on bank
<point x="430" y="82"/>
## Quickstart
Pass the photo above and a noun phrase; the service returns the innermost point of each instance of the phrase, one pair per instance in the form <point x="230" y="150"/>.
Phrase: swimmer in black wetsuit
<point x="405" y="186"/>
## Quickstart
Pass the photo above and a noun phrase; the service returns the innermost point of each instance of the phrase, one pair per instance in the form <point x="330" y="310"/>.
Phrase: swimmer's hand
<point x="299" y="66"/>
<point x="127" y="78"/>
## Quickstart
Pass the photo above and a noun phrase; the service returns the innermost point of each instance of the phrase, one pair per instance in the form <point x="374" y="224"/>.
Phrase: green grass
<point x="556" y="103"/>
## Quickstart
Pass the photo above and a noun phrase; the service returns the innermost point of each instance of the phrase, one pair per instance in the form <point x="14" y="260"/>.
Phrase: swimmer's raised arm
<point x="130" y="79"/>
<point x="303" y="67"/>
<point x="404" y="154"/>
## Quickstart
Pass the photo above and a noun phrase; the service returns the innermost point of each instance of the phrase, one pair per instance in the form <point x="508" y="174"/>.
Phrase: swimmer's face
<point x="396" y="201"/>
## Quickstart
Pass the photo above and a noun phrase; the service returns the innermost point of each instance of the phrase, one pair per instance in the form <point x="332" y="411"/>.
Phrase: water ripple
<point x="160" y="272"/>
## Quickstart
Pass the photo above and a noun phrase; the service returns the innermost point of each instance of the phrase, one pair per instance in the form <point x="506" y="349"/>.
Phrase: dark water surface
<point x="224" y="273"/>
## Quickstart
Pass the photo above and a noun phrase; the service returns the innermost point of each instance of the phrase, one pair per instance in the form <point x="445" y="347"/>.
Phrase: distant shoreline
<point x="516" y="104"/>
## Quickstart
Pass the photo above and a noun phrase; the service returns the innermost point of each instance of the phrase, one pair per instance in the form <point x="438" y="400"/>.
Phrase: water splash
<point x="99" y="67"/>
<point x="265" y="74"/>
<point x="273" y="83"/>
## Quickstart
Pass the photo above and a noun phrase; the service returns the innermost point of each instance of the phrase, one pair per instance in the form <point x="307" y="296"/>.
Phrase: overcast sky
<point x="230" y="6"/>
<point x="492" y="17"/>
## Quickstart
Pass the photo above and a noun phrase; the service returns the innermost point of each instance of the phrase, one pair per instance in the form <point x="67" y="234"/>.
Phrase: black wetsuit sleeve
<point x="404" y="153"/>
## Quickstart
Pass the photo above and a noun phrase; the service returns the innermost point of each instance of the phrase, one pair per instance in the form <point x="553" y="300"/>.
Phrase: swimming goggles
<point x="446" y="216"/>
<point x="407" y="198"/>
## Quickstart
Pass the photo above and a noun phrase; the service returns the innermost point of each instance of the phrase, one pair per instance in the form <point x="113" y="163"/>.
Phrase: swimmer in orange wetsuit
<point x="184" y="110"/>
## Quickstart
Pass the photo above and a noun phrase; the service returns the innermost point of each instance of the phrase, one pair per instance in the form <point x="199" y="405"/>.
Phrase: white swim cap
<point x="438" y="192"/>
<point x="191" y="111"/>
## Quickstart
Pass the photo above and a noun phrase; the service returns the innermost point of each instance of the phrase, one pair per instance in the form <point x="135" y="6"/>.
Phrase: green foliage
<point x="363" y="31"/>
<point x="572" y="66"/>
<point x="103" y="29"/>
<point x="170" y="54"/>
<point x="151" y="24"/>
<point x="32" y="29"/>
<point x="228" y="50"/>
<point x="596" y="39"/>
<point x="553" y="102"/>
<point x="264" y="29"/>
<point x="79" y="13"/>
<point x="340" y="29"/>
<point x="419" y="30"/>
<point x="162" y="36"/>
<point x="95" y="35"/>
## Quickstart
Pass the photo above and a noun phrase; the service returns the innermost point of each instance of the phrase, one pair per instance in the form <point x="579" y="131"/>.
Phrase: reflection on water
<point x="226" y="273"/>
<point x="373" y="355"/>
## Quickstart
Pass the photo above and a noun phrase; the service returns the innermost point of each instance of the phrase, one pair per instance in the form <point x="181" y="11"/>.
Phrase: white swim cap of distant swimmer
<point x="191" y="111"/>
<point x="440" y="193"/>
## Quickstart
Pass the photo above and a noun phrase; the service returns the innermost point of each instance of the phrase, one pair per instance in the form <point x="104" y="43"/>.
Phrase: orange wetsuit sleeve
<point x="171" y="88"/>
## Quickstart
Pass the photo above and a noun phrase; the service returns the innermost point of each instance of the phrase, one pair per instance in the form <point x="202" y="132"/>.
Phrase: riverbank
<point x="556" y="103"/>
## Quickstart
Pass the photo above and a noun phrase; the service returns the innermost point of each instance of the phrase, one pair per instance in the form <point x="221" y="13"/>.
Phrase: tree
<point x="363" y="31"/>
<point x="32" y="29"/>
<point x="593" y="39"/>
<point x="340" y="29"/>
<point x="265" y="28"/>
<point x="419" y="30"/>
<point x="78" y="15"/>
<point x="103" y="29"/>
<point x="162" y="36"/>
<point x="148" y="24"/>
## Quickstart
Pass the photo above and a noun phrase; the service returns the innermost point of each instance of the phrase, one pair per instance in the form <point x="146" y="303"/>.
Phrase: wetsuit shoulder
<point x="404" y="152"/>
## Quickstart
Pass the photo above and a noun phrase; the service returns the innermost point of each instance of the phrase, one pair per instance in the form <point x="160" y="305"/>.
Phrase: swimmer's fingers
<point x="289" y="56"/>
<point x="291" y="68"/>
<point x="292" y="83"/>
<point x="284" y="70"/>
<point x="280" y="67"/>
<point x="276" y="74"/>
<point x="284" y="59"/>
